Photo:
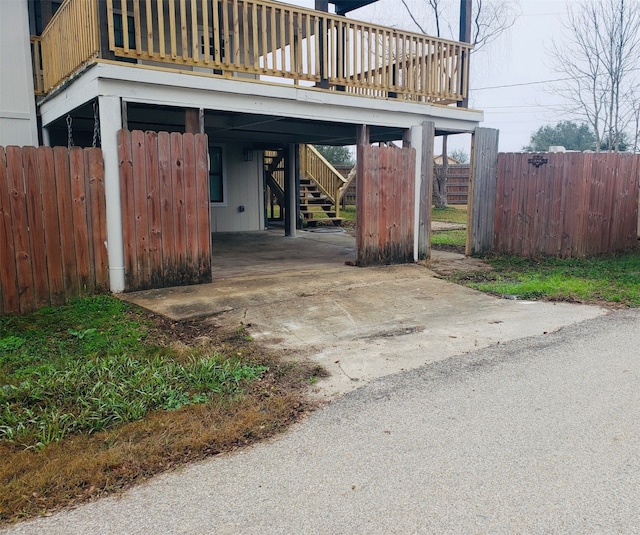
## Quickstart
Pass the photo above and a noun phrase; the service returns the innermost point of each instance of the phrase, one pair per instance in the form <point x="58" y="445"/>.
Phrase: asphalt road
<point x="538" y="435"/>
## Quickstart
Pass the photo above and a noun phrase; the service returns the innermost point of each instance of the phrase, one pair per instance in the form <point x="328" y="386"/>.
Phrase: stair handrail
<point x="319" y="170"/>
<point x="274" y="173"/>
<point x="345" y="187"/>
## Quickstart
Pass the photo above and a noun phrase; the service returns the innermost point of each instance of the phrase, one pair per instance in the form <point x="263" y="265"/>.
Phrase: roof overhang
<point x="344" y="6"/>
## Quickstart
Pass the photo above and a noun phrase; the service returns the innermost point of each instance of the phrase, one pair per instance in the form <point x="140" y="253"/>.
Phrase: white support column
<point x="416" y="143"/>
<point x="290" y="191"/>
<point x="46" y="137"/>
<point x="110" y="123"/>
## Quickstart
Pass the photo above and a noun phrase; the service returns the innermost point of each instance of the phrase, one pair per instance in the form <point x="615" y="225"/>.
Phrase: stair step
<point x="316" y="202"/>
<point x="325" y="215"/>
<point x="337" y="221"/>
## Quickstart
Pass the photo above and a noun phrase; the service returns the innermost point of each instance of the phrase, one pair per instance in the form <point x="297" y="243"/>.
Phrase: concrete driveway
<point x="298" y="297"/>
<point x="533" y="436"/>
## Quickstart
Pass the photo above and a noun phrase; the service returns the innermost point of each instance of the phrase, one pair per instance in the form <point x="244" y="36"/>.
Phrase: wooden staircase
<point x="315" y="206"/>
<point x="321" y="186"/>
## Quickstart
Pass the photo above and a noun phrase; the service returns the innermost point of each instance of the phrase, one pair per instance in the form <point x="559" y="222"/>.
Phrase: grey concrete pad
<point x="296" y="296"/>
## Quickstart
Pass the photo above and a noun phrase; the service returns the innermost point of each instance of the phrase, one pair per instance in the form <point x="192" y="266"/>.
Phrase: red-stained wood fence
<point x="52" y="226"/>
<point x="164" y="185"/>
<point x="567" y="205"/>
<point x="385" y="200"/>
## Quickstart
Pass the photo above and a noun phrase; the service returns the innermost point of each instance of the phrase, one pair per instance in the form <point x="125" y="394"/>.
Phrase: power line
<point x="631" y="69"/>
<point x="521" y="84"/>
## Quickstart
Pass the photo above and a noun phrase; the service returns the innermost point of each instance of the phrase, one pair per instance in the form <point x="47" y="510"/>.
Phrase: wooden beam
<point x="362" y="135"/>
<point x="191" y="121"/>
<point x="125" y="114"/>
<point x="406" y="139"/>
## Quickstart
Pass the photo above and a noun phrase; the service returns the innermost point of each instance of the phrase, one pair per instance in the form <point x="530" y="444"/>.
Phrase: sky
<point x="510" y="78"/>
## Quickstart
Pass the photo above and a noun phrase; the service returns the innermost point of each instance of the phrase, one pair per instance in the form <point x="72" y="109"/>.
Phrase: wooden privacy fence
<point x="457" y="182"/>
<point x="52" y="226"/>
<point x="384" y="218"/>
<point x="567" y="205"/>
<point x="164" y="184"/>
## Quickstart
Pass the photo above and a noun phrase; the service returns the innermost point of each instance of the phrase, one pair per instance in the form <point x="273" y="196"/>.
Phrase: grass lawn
<point x="450" y="214"/>
<point x="449" y="238"/>
<point x="611" y="279"/>
<point x="348" y="213"/>
<point x="98" y="394"/>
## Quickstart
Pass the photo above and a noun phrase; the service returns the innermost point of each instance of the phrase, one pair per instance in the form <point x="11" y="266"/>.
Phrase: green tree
<point x="569" y="134"/>
<point x="336" y="155"/>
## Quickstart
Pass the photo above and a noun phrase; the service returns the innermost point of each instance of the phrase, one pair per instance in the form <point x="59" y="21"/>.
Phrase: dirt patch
<point x="447" y="260"/>
<point x="85" y="467"/>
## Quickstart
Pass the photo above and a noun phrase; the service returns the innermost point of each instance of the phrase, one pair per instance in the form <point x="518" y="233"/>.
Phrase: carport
<point x="239" y="254"/>
<point x="298" y="298"/>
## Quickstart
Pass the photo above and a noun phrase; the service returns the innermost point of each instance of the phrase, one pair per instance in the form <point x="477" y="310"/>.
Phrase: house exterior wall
<point x="18" y="124"/>
<point x="244" y="182"/>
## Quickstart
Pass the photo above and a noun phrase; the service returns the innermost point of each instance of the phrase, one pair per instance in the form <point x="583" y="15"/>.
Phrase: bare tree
<point x="599" y="57"/>
<point x="490" y="19"/>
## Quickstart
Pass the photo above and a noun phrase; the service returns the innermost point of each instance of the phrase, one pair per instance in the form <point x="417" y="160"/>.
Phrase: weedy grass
<point x="95" y="395"/>
<point x="450" y="214"/>
<point x="348" y="213"/>
<point x="451" y="238"/>
<point x="611" y="279"/>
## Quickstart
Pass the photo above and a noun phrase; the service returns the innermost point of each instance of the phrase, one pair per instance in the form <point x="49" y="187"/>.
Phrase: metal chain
<point x="96" y="126"/>
<point x="69" y="132"/>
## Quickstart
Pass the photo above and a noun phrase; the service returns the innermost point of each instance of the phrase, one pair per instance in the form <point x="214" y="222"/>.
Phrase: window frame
<point x="223" y="165"/>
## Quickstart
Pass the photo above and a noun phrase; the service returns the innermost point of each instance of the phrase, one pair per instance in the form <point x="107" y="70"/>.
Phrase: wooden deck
<point x="258" y="39"/>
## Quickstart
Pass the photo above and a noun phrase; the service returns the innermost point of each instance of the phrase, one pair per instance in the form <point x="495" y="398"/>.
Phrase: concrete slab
<point x="297" y="297"/>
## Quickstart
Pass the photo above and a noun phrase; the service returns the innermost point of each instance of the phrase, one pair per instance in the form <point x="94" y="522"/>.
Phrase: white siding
<point x="17" y="105"/>
<point x="244" y="188"/>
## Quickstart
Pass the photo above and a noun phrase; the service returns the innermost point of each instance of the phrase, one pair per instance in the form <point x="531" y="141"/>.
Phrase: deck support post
<point x="110" y="122"/>
<point x="322" y="5"/>
<point x="192" y="121"/>
<point x="291" y="202"/>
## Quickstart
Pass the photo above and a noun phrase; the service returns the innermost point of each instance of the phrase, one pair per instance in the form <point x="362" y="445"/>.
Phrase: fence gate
<point x="482" y="188"/>
<point x="164" y="185"/>
<point x="385" y="200"/>
<point x="52" y="226"/>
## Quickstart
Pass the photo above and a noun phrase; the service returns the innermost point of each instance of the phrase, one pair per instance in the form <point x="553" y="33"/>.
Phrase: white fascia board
<point x="135" y="84"/>
<point x="82" y="90"/>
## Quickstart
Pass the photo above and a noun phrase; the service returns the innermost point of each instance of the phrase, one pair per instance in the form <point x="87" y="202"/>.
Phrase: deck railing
<point x="69" y="40"/>
<point x="262" y="39"/>
<point x="36" y="62"/>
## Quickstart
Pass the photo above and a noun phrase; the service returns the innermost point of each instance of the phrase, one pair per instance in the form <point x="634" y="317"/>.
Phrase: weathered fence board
<point x="164" y="184"/>
<point x="457" y="182"/>
<point x="569" y="205"/>
<point x="482" y="187"/>
<point x="385" y="215"/>
<point x="52" y="226"/>
<point x="426" y="190"/>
